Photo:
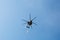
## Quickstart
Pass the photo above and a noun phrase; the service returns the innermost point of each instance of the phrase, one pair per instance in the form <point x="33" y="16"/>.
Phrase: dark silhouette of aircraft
<point x="30" y="22"/>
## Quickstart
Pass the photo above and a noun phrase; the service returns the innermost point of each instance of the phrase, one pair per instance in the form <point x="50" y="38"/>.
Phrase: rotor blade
<point x="30" y="16"/>
<point x="24" y="23"/>
<point x="34" y="23"/>
<point x="24" y="20"/>
<point x="33" y="18"/>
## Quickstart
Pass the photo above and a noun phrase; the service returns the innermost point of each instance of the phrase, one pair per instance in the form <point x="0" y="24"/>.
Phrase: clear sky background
<point x="48" y="19"/>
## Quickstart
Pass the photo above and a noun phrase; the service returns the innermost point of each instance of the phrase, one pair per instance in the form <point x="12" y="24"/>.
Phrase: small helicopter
<point x="30" y="22"/>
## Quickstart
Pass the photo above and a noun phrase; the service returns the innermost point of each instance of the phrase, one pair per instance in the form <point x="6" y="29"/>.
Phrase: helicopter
<point x="29" y="22"/>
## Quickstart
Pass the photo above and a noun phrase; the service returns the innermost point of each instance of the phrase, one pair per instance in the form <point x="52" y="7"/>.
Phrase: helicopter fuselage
<point x="29" y="22"/>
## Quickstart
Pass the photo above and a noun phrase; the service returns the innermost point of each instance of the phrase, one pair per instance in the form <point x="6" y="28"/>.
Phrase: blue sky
<point x="48" y="19"/>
